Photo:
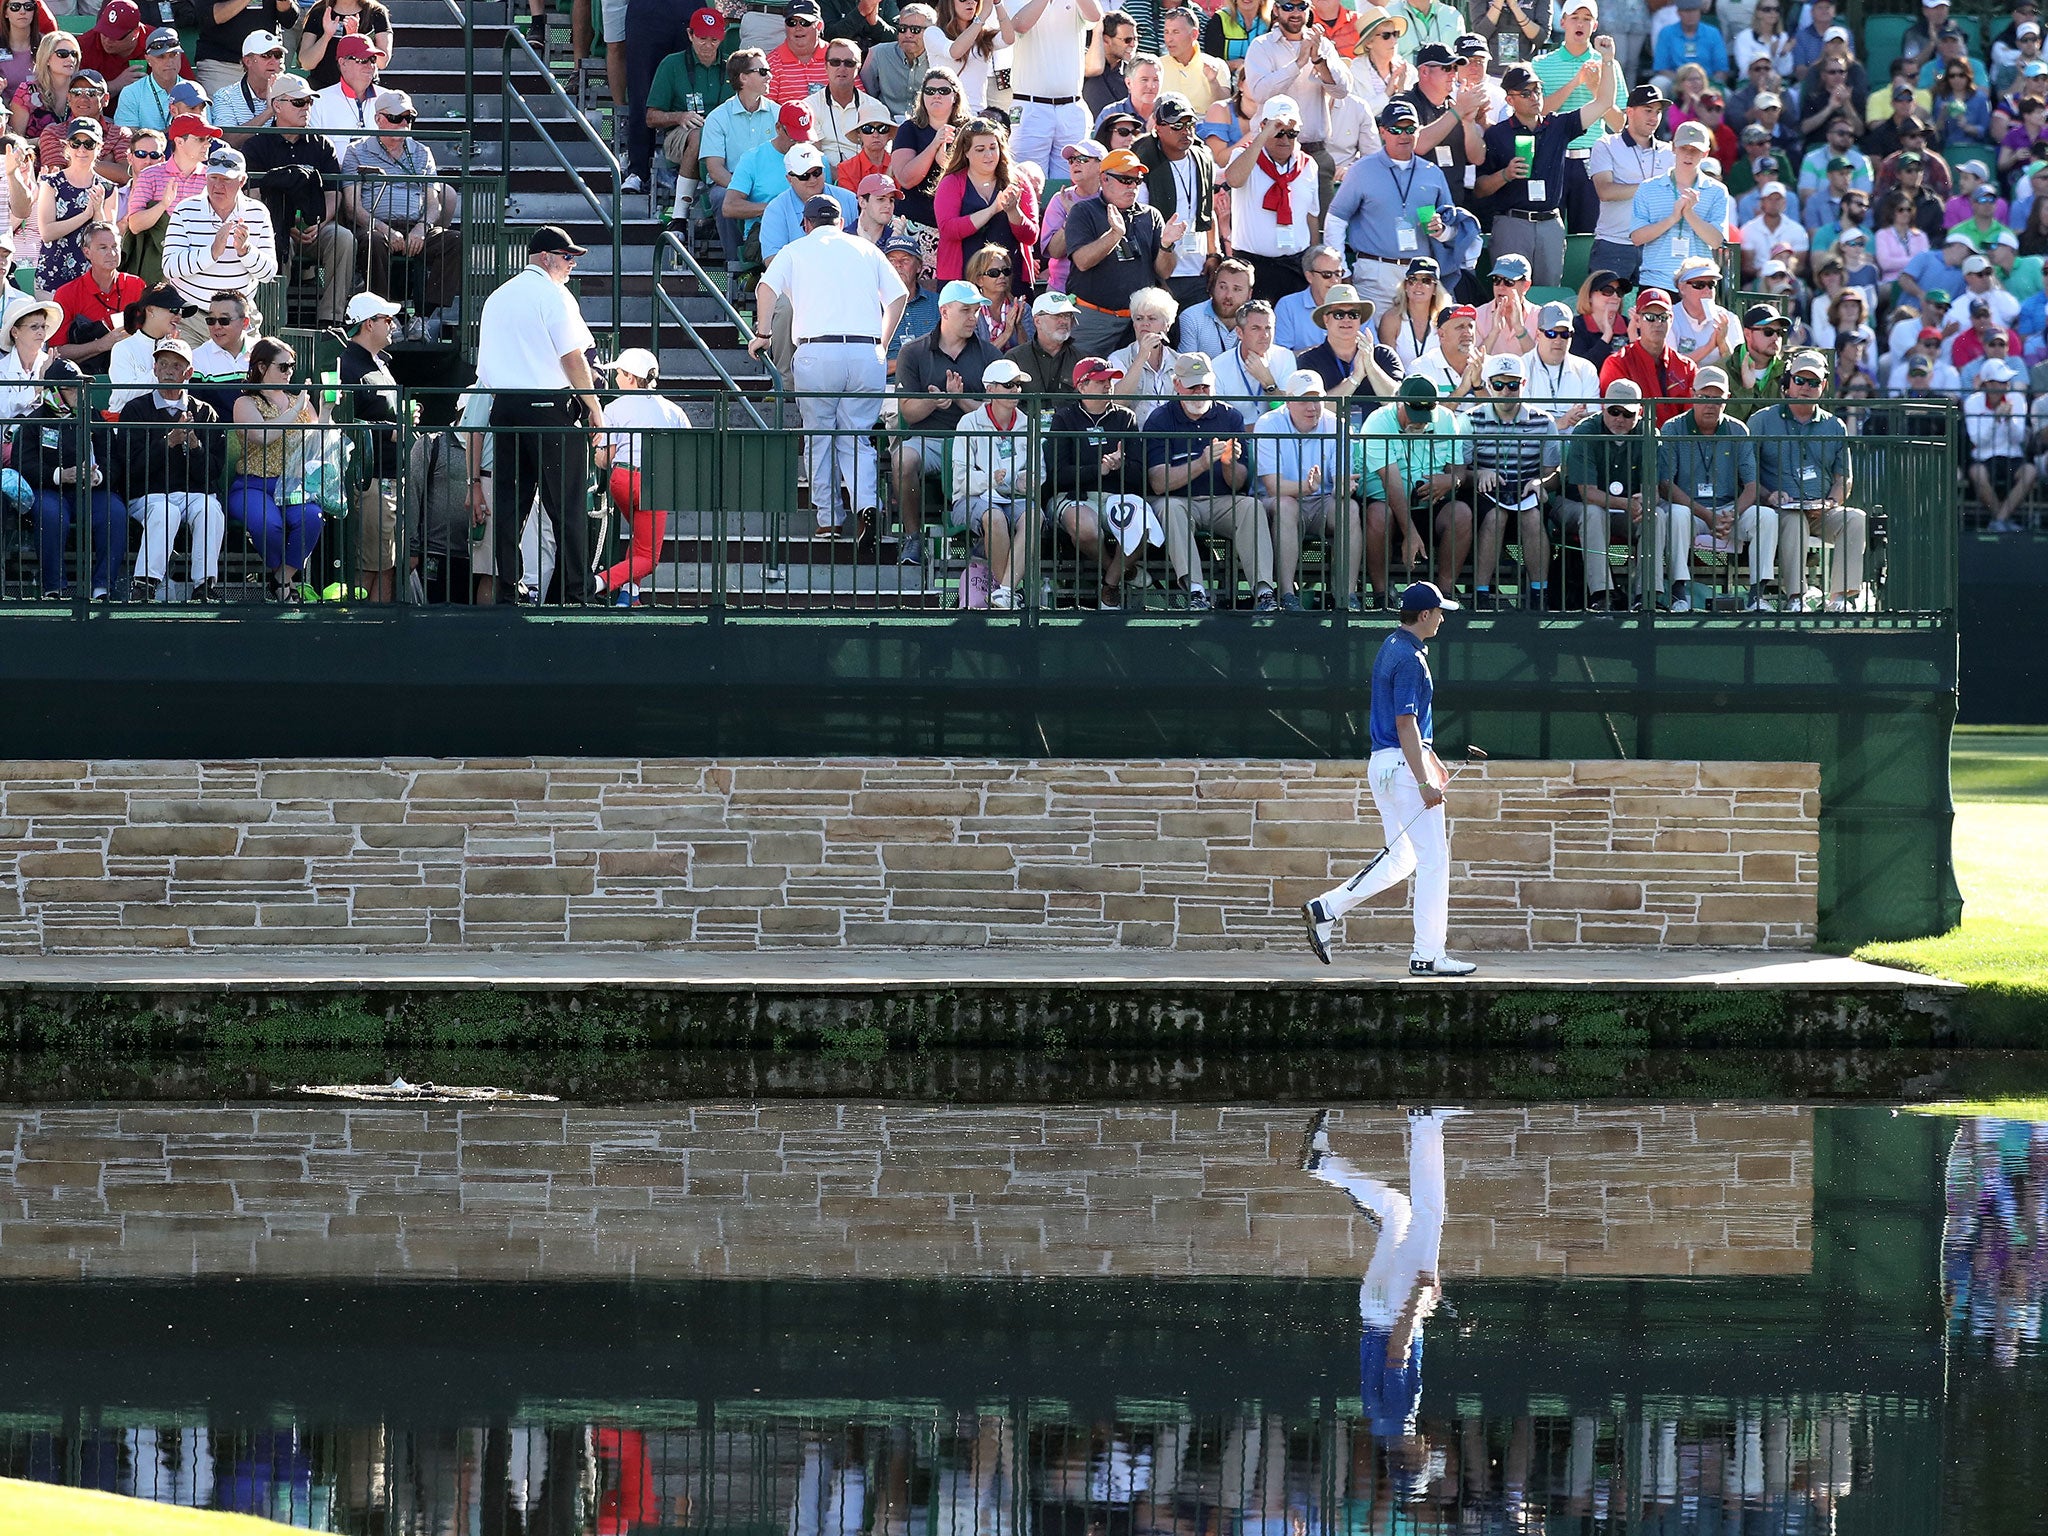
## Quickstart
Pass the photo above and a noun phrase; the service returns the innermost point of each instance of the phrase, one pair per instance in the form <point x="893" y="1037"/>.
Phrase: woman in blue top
<point x="1962" y="112"/>
<point x="1230" y="120"/>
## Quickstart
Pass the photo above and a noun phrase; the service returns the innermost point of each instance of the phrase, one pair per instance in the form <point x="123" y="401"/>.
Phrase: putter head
<point x="1475" y="754"/>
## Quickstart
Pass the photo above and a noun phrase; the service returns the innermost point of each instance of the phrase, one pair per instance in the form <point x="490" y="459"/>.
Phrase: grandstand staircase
<point x="430" y="65"/>
<point x="757" y="564"/>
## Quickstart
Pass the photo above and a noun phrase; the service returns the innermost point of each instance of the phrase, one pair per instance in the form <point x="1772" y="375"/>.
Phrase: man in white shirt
<point x="531" y="359"/>
<point x="244" y="107"/>
<point x="1619" y="164"/>
<point x="1555" y="378"/>
<point x="1995" y="417"/>
<point x="1771" y="235"/>
<point x="1045" y="80"/>
<point x="1274" y="201"/>
<point x="1980" y="281"/>
<point x="346" y="110"/>
<point x="222" y="242"/>
<point x="839" y="106"/>
<point x="1298" y="61"/>
<point x="845" y="299"/>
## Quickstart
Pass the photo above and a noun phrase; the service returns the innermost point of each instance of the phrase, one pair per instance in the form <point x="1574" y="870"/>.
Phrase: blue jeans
<point x="283" y="534"/>
<point x="53" y="533"/>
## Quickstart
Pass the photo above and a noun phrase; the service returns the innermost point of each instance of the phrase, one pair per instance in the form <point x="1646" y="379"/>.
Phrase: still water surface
<point x="818" y="1319"/>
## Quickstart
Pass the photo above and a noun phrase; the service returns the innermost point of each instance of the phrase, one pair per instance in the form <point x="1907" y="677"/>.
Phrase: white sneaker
<point x="1840" y="604"/>
<point x="1002" y="597"/>
<point x="1442" y="965"/>
<point x="1681" y="605"/>
<point x="1761" y="605"/>
<point x="1319" y="927"/>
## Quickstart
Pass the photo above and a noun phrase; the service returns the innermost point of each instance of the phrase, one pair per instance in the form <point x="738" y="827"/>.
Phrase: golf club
<point x="1472" y="755"/>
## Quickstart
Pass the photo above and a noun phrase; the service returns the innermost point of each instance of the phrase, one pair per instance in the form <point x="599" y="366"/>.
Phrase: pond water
<point x="837" y="1319"/>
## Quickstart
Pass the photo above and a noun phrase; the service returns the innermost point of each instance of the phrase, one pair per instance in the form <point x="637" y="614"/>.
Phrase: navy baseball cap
<point x="1424" y="595"/>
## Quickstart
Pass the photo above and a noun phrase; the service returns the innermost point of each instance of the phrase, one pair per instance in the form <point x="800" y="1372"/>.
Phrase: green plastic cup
<point x="1425" y="215"/>
<point x="1525" y="149"/>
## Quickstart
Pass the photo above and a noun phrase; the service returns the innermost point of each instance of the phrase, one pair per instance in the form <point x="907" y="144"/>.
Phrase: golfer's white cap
<point x="637" y="361"/>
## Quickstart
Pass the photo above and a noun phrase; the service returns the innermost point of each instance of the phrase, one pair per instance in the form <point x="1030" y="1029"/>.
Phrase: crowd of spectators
<point x="1294" y="200"/>
<point x="151" y="183"/>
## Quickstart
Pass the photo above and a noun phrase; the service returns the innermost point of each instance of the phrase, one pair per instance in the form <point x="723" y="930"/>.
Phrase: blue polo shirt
<point x="1400" y="686"/>
<point x="1391" y="1395"/>
<point x="1377" y="202"/>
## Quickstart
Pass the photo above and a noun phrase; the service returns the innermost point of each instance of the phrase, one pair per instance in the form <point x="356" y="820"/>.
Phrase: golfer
<point x="1402" y="1286"/>
<point x="1408" y="787"/>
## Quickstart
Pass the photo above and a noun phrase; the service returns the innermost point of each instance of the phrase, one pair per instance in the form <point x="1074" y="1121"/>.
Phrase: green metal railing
<point x="515" y="48"/>
<point x="673" y="247"/>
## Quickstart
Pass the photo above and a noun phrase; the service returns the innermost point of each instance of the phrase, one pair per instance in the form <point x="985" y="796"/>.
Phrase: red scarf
<point x="1279" y="198"/>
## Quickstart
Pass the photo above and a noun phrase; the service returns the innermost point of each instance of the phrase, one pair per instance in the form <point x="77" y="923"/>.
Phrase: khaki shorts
<point x="377" y="526"/>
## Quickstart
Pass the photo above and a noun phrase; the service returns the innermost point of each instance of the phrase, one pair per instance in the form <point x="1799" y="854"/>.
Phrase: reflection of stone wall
<point x="423" y="853"/>
<point x="840" y="1191"/>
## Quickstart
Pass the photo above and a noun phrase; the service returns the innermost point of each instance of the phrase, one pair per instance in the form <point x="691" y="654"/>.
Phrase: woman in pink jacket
<point x="983" y="201"/>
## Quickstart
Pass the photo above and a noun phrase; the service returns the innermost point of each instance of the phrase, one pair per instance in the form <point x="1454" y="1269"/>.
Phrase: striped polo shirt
<point x="1556" y="67"/>
<point x="1518" y="449"/>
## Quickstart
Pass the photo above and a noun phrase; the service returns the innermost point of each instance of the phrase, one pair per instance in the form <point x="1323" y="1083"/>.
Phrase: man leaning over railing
<point x="1605" y="465"/>
<point x="1803" y="466"/>
<point x="1411" y="457"/>
<point x="1195" y="468"/>
<point x="407" y="219"/>
<point x="1517" y="458"/>
<point x="1301" y="486"/>
<point x="1707" y="489"/>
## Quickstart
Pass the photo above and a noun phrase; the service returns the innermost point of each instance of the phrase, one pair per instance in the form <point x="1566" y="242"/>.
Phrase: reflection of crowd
<point x="1992" y="1248"/>
<point x="1258" y="1472"/>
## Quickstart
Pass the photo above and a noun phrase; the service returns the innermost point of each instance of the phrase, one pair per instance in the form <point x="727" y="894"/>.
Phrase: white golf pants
<point x="1423" y="849"/>
<point x="162" y="515"/>
<point x="842" y="429"/>
<point x="1758" y="529"/>
<point x="1043" y="130"/>
<point x="1411" y="1225"/>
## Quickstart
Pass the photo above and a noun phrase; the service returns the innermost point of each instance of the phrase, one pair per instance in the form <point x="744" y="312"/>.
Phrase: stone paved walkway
<point x="840" y="971"/>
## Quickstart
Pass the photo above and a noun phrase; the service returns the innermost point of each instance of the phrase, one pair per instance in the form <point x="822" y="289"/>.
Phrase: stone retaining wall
<point x="540" y="853"/>
<point x="840" y="1191"/>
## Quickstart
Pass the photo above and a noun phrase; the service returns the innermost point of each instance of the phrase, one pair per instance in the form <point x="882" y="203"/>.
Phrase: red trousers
<point x="650" y="527"/>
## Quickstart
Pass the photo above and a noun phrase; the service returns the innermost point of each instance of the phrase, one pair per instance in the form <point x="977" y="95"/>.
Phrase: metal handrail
<point x="672" y="242"/>
<point x="607" y="213"/>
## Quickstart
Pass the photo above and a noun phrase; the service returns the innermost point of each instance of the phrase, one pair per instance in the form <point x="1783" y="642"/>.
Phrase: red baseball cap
<point x="1929" y="333"/>
<point x="1653" y="298"/>
<point x="356" y="46"/>
<point x="190" y="125"/>
<point x="118" y="19"/>
<point x="795" y="120"/>
<point x="878" y="183"/>
<point x="707" y="23"/>
<point x="1457" y="312"/>
<point x="1091" y="369"/>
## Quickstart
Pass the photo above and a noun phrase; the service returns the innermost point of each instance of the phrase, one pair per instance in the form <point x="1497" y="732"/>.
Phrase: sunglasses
<point x="1558" y="335"/>
<point x="145" y="154"/>
<point x="995" y="272"/>
<point x="1325" y="274"/>
<point x="875" y="128"/>
<point x="816" y="175"/>
<point x="64" y="53"/>
<point x="83" y="143"/>
<point x="764" y="72"/>
<point x="1505" y="282"/>
<point x="1288" y="133"/>
<point x="1811" y="381"/>
<point x="220" y="320"/>
<point x="1622" y="412"/>
<point x="940" y="90"/>
<point x="843" y="63"/>
<point x="1388" y="36"/>
<point x="1505" y="386"/>
<point x="910" y="31"/>
<point x="1128" y="181"/>
<point x="398" y="117"/>
<point x="1290" y="8"/>
<point x="1700" y="282"/>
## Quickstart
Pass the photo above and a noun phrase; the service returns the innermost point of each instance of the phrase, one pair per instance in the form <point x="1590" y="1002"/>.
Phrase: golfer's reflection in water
<point x="1401" y="1288"/>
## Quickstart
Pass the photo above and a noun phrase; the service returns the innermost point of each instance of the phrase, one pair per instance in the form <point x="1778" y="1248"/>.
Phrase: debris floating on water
<point x="399" y="1090"/>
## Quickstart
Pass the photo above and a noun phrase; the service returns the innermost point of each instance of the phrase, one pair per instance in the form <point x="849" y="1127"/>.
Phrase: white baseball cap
<point x="259" y="43"/>
<point x="1505" y="366"/>
<point x="637" y="361"/>
<point x="367" y="306"/>
<point x="1280" y="109"/>
<point x="1302" y="383"/>
<point x="802" y="158"/>
<point x="1996" y="371"/>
